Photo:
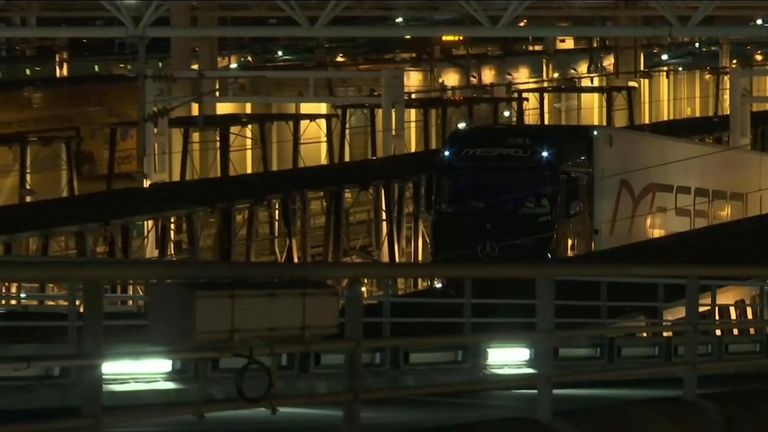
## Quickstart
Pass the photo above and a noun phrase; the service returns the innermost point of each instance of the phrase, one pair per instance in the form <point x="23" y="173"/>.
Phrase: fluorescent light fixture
<point x="665" y="56"/>
<point x="506" y="355"/>
<point x="23" y="295"/>
<point x="141" y="386"/>
<point x="506" y="113"/>
<point x="147" y="366"/>
<point x="461" y="125"/>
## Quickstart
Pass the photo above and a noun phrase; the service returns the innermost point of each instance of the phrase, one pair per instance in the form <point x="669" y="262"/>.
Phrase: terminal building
<point x="364" y="214"/>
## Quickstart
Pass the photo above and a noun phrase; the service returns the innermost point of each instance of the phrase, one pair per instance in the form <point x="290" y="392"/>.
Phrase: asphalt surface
<point x="404" y="414"/>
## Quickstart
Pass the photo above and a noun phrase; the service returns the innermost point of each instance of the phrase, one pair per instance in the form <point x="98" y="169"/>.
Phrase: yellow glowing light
<point x="451" y="38"/>
<point x="522" y="23"/>
<point x="759" y="56"/>
<point x="340" y="58"/>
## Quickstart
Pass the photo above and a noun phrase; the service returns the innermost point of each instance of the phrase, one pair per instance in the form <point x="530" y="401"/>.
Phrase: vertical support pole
<point x="389" y="204"/>
<point x="296" y="142"/>
<point x="631" y="106"/>
<point x="353" y="330"/>
<point x="250" y="231"/>
<point x="377" y="221"/>
<point x="544" y="347"/>
<point x="520" y="110"/>
<point x="343" y="135"/>
<point x="338" y="224"/>
<point x="443" y="125"/>
<point x="72" y="341"/>
<point x="328" y="225"/>
<point x="226" y="233"/>
<point x="82" y="245"/>
<point x="274" y="208"/>
<point x="71" y="169"/>
<point x="426" y="133"/>
<point x="185" y="136"/>
<point x="289" y="220"/>
<point x="690" y="377"/>
<point x="495" y="112"/>
<point x="164" y="233"/>
<point x="23" y="172"/>
<point x="224" y="153"/>
<point x="400" y="207"/>
<point x="660" y="303"/>
<point x="418" y="192"/>
<point x="542" y="104"/>
<point x="329" y="139"/>
<point x="609" y="108"/>
<point x="126" y="247"/>
<point x="373" y="133"/>
<point x="305" y="221"/>
<point x="191" y="229"/>
<point x="264" y="146"/>
<point x="717" y="77"/>
<point x="111" y="157"/>
<point x="92" y="348"/>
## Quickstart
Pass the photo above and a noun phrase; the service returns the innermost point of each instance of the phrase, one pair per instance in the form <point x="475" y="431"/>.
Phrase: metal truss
<point x="392" y="19"/>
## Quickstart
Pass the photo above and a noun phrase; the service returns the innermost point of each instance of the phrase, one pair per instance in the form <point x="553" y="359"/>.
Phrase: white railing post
<point x="544" y="347"/>
<point x="691" y="340"/>
<point x="353" y="330"/>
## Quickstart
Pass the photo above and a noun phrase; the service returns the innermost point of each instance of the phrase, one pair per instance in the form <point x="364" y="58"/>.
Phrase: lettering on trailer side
<point x="493" y="151"/>
<point x="708" y="205"/>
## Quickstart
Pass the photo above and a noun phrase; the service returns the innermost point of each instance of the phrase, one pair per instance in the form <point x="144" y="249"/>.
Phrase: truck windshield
<point x="510" y="191"/>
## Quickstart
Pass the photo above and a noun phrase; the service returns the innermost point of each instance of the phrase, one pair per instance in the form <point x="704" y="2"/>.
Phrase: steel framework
<point x="392" y="19"/>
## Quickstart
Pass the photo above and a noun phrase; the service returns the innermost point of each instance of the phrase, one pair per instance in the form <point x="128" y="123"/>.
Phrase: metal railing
<point x="604" y="344"/>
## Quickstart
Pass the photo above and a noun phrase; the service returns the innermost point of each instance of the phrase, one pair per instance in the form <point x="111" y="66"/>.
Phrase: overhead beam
<point x="666" y="9"/>
<point x="333" y="8"/>
<point x="292" y="9"/>
<point x="155" y="11"/>
<point x="512" y="12"/>
<point x="382" y="32"/>
<point x="474" y="9"/>
<point x="705" y="9"/>
<point x="36" y="269"/>
<point x="120" y="14"/>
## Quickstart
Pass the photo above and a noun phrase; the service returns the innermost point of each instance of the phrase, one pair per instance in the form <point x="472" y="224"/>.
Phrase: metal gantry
<point x="269" y="19"/>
